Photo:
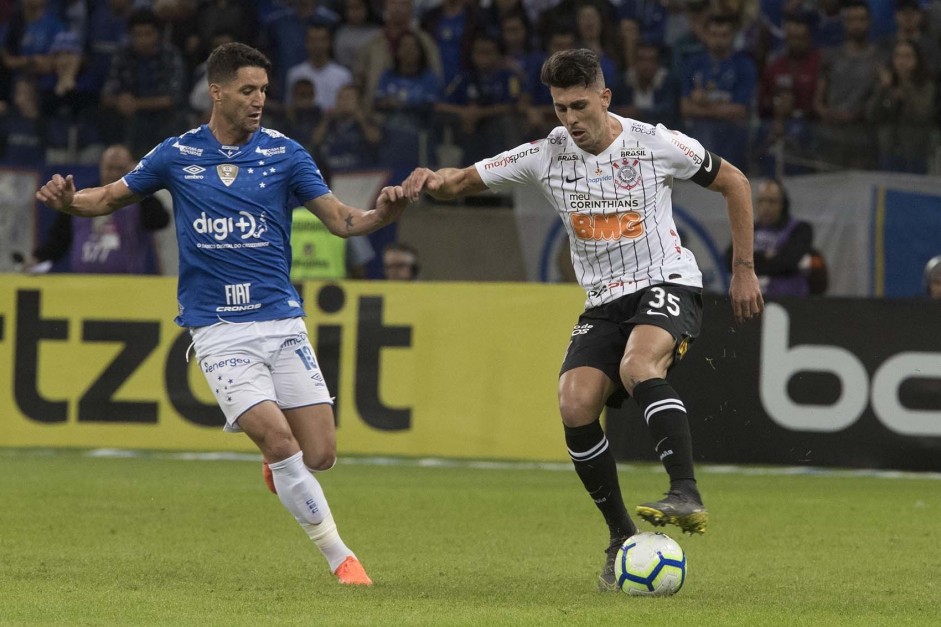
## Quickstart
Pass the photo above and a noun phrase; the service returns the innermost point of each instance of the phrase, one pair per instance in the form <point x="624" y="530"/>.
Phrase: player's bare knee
<point x="320" y="461"/>
<point x="634" y="370"/>
<point x="577" y="409"/>
<point x="278" y="446"/>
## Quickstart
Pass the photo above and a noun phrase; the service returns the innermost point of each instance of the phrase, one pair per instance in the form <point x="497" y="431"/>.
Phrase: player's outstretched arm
<point x="344" y="220"/>
<point x="60" y="194"/>
<point x="445" y="184"/>
<point x="744" y="290"/>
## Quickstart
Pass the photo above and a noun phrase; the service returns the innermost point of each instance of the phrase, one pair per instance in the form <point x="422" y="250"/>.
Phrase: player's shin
<point x="595" y="465"/>
<point x="666" y="417"/>
<point x="302" y="495"/>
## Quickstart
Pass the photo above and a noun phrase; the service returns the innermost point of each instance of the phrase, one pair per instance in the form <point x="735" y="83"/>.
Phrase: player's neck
<point x="228" y="135"/>
<point x="614" y="129"/>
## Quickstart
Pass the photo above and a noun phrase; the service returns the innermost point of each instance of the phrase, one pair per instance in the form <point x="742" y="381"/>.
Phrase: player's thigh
<point x="648" y="355"/>
<point x="315" y="430"/>
<point x="268" y="428"/>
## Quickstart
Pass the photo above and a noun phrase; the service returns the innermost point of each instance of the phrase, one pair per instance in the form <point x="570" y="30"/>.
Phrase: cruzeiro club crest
<point x="227" y="173"/>
<point x="626" y="174"/>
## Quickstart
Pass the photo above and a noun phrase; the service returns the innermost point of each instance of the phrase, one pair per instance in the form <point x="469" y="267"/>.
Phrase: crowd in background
<point x="778" y="86"/>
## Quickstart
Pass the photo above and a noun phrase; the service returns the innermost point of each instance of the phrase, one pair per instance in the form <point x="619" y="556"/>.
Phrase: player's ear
<point x="215" y="92"/>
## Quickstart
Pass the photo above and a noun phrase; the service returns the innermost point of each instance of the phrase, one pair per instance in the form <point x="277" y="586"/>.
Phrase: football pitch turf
<point x="103" y="539"/>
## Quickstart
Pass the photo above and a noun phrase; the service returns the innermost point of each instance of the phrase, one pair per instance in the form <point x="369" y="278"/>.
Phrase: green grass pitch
<point x="91" y="540"/>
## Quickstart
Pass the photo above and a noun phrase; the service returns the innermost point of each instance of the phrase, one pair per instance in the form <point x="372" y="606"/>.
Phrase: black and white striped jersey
<point x="616" y="206"/>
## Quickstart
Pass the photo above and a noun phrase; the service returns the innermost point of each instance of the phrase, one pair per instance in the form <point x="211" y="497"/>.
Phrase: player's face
<point x="241" y="101"/>
<point x="583" y="111"/>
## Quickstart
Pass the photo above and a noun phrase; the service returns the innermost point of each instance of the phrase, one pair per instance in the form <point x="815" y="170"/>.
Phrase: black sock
<point x="595" y="465"/>
<point x="669" y="426"/>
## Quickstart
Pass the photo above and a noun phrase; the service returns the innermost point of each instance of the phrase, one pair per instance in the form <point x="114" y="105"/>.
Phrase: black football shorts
<point x="599" y="338"/>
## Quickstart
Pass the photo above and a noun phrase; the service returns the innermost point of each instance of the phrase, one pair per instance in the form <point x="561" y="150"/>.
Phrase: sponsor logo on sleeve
<point x="188" y="150"/>
<point x="270" y="152"/>
<point x="689" y="152"/>
<point x="507" y="160"/>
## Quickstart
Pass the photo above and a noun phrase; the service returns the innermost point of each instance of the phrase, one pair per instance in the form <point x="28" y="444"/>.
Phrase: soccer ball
<point x="650" y="564"/>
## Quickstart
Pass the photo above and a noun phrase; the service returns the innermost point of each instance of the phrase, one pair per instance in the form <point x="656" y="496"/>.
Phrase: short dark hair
<point x="579" y="67"/>
<point x="144" y="17"/>
<point x="225" y="61"/>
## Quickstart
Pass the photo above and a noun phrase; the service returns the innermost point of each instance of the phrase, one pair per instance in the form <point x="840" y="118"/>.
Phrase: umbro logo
<point x="193" y="172"/>
<point x="572" y="179"/>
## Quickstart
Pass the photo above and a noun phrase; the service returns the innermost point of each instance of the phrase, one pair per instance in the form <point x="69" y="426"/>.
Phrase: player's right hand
<point x="58" y="193"/>
<point x="419" y="180"/>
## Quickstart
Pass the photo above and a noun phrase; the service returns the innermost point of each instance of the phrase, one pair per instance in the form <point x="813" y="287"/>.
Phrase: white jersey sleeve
<point x="523" y="164"/>
<point x="681" y="154"/>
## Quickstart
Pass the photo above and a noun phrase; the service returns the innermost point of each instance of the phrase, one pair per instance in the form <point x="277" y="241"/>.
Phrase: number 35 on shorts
<point x="661" y="303"/>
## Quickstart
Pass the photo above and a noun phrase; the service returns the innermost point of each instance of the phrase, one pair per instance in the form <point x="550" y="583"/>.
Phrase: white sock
<point x="302" y="495"/>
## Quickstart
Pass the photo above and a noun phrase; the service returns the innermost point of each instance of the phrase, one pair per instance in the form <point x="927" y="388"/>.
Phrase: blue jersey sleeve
<point x="150" y="173"/>
<point x="307" y="183"/>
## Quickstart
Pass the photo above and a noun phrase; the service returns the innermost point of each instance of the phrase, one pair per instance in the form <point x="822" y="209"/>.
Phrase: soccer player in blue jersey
<point x="233" y="185"/>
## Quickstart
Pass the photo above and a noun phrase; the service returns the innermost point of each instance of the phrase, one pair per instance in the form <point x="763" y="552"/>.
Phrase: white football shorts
<point x="246" y="363"/>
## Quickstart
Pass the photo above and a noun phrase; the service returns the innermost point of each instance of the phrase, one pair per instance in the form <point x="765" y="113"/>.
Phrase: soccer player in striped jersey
<point x="610" y="179"/>
<point x="234" y="185"/>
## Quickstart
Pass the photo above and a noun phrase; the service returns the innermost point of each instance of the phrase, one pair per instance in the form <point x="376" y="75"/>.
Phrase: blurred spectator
<point x="453" y="25"/>
<point x="903" y="109"/>
<point x="301" y="118"/>
<point x="199" y="100"/>
<point x="119" y="243"/>
<point x="537" y="101"/>
<point x="142" y="95"/>
<point x="830" y="30"/>
<point x="649" y="19"/>
<point x="782" y="146"/>
<point x="22" y="128"/>
<point x="912" y="26"/>
<point x="848" y="77"/>
<point x="648" y="92"/>
<point x="284" y="36"/>
<point x="357" y="28"/>
<point x="599" y="36"/>
<point x="480" y="106"/>
<point x="562" y="15"/>
<point x="26" y="39"/>
<point x="400" y="262"/>
<point x="692" y="42"/>
<point x="781" y="244"/>
<point x="238" y="17"/>
<point x="347" y="137"/>
<point x="376" y="57"/>
<point x="405" y="98"/>
<point x="327" y="75"/>
<point x="493" y="13"/>
<point x="796" y="68"/>
<point x="518" y="50"/>
<point x="107" y="34"/>
<point x="932" y="278"/>
<point x="70" y="107"/>
<point x="717" y="93"/>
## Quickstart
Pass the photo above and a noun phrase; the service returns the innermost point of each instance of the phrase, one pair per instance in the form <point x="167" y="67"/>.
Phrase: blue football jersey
<point x="232" y="206"/>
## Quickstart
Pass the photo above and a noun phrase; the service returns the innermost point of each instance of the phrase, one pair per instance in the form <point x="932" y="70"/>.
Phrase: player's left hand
<point x="391" y="203"/>
<point x="745" y="293"/>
